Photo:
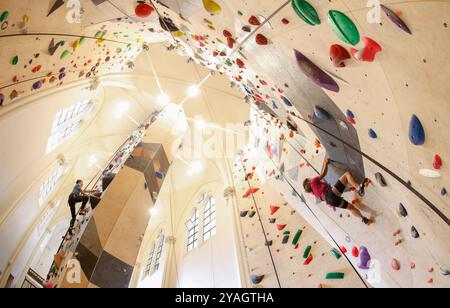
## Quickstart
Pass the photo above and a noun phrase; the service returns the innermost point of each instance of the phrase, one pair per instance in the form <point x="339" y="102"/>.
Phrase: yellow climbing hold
<point x="178" y="34"/>
<point x="26" y="18"/>
<point x="76" y="44"/>
<point x="212" y="7"/>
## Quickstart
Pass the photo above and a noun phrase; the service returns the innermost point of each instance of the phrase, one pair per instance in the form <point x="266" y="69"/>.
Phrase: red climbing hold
<point x="230" y="42"/>
<point x="368" y="53"/>
<point x="261" y="40"/>
<point x="250" y="192"/>
<point x="437" y="164"/>
<point x="240" y="63"/>
<point x="343" y="250"/>
<point x="395" y="264"/>
<point x="281" y="227"/>
<point x="308" y="260"/>
<point x="227" y="33"/>
<point x="338" y="55"/>
<point x="143" y="10"/>
<point x="355" y="252"/>
<point x="274" y="209"/>
<point x="285" y="21"/>
<point x="254" y="21"/>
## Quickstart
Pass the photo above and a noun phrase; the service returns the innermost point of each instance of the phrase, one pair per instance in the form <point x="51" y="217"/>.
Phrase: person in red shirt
<point x="333" y="195"/>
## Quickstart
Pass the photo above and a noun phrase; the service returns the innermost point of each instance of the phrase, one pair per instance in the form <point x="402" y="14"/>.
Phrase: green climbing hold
<point x="15" y="60"/>
<point x="307" y="252"/>
<point x="98" y="34"/>
<point x="306" y="11"/>
<point x="297" y="237"/>
<point x="4" y="16"/>
<point x="287" y="233"/>
<point x="344" y="27"/>
<point x="64" y="54"/>
<point x="335" y="276"/>
<point x="336" y="253"/>
<point x="82" y="41"/>
<point x="240" y="13"/>
<point x="118" y="50"/>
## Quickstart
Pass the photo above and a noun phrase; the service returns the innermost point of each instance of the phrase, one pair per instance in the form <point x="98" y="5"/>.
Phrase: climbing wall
<point x="282" y="248"/>
<point x="366" y="85"/>
<point x="40" y="52"/>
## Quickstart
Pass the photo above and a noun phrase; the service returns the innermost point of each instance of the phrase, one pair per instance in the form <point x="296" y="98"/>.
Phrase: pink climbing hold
<point x="338" y="55"/>
<point x="368" y="53"/>
<point x="395" y="264"/>
<point x="274" y="209"/>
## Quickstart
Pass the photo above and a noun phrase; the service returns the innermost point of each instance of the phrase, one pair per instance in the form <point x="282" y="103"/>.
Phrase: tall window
<point x="66" y="122"/>
<point x="155" y="255"/>
<point x="209" y="219"/>
<point x="49" y="184"/>
<point x="159" y="252"/>
<point x="148" y="267"/>
<point x="192" y="227"/>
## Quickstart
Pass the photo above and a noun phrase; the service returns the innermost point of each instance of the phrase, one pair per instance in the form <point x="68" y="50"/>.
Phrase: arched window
<point x="159" y="252"/>
<point x="148" y="267"/>
<point x="192" y="228"/>
<point x="209" y="219"/>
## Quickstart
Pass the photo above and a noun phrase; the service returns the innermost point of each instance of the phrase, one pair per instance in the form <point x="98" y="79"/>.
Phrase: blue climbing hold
<point x="416" y="131"/>
<point x="2" y="98"/>
<point x="160" y="175"/>
<point x="350" y="114"/>
<point x="373" y="134"/>
<point x="321" y="114"/>
<point x="257" y="279"/>
<point x="286" y="101"/>
<point x="443" y="192"/>
<point x="37" y="85"/>
<point x="274" y="106"/>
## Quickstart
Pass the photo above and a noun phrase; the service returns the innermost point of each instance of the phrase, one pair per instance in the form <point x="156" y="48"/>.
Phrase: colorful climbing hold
<point x="308" y="260"/>
<point x="281" y="227"/>
<point x="306" y="12"/>
<point x="257" y="279"/>
<point x="261" y="40"/>
<point x="331" y="276"/>
<point x="339" y="55"/>
<point x="414" y="233"/>
<point x="297" y="237"/>
<point x="314" y="73"/>
<point x="372" y="134"/>
<point x="274" y="209"/>
<point x="15" y="60"/>
<point x="243" y="214"/>
<point x="364" y="259"/>
<point x="402" y="210"/>
<point x="380" y="179"/>
<point x="395" y="264"/>
<point x="254" y="21"/>
<point x="336" y="253"/>
<point x="4" y="16"/>
<point x="250" y="192"/>
<point x="395" y="19"/>
<point x="344" y="27"/>
<point x="437" y="162"/>
<point x="416" y="131"/>
<point x="307" y="252"/>
<point x="212" y="7"/>
<point x="321" y="113"/>
<point x="369" y="52"/>
<point x="64" y="54"/>
<point x="144" y="10"/>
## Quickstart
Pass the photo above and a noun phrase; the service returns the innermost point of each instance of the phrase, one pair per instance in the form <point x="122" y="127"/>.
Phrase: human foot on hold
<point x="362" y="187"/>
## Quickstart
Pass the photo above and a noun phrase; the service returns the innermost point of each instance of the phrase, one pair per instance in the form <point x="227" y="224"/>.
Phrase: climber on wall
<point x="78" y="195"/>
<point x="333" y="195"/>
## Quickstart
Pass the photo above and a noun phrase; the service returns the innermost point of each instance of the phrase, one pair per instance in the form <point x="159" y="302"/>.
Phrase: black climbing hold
<point x="380" y="179"/>
<point x="272" y="220"/>
<point x="285" y="239"/>
<point x="252" y="214"/>
<point x="269" y="243"/>
<point x="403" y="210"/>
<point x="244" y="213"/>
<point x="414" y="233"/>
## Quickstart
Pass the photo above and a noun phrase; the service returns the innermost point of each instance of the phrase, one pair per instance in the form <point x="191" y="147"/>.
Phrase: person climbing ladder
<point x="333" y="195"/>
<point x="78" y="195"/>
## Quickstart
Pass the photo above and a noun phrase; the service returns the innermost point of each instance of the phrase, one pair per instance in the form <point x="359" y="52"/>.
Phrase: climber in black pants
<point x="333" y="194"/>
<point x="78" y="195"/>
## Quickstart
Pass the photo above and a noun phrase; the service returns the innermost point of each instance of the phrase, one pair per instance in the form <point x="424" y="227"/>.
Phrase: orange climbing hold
<point x="281" y="227"/>
<point x="250" y="192"/>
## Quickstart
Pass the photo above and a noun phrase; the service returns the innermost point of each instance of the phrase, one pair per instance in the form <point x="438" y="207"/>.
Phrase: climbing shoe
<point x="362" y="188"/>
<point x="367" y="221"/>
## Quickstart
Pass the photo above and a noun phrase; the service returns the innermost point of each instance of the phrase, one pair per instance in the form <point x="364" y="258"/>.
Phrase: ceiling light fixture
<point x="193" y="91"/>
<point x="163" y="99"/>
